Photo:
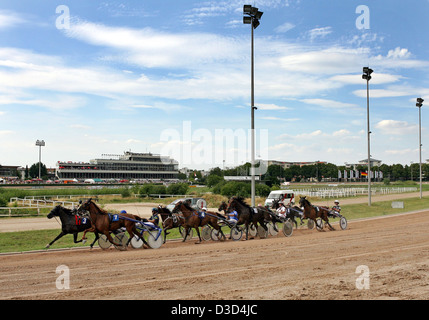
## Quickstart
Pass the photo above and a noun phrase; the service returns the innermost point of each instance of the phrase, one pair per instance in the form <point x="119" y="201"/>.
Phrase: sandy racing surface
<point x="308" y="265"/>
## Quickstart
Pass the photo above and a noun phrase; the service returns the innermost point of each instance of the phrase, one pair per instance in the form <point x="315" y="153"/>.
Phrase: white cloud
<point x="398" y="53"/>
<point x="377" y="78"/>
<point x="319" y="32"/>
<point x="10" y="19"/>
<point x="285" y="27"/>
<point x="280" y="119"/>
<point x="262" y="106"/>
<point x="326" y="103"/>
<point x="395" y="127"/>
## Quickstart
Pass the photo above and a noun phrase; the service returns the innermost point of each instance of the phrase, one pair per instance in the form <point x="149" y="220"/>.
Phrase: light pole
<point x="40" y="144"/>
<point x="367" y="76"/>
<point x="419" y="105"/>
<point x="252" y="16"/>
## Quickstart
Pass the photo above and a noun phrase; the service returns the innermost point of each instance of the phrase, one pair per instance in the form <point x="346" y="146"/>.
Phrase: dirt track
<point x="308" y="265"/>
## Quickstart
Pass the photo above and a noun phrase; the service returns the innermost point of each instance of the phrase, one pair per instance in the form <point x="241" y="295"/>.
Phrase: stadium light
<point x="252" y="16"/>
<point x="367" y="76"/>
<point x="40" y="144"/>
<point x="419" y="105"/>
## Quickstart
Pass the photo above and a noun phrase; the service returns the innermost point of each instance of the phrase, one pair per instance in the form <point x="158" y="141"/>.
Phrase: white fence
<point x="350" y="192"/>
<point x="18" y="211"/>
<point x="42" y="203"/>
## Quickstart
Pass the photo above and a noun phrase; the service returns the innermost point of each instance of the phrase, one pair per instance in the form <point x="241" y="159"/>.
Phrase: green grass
<point x="37" y="240"/>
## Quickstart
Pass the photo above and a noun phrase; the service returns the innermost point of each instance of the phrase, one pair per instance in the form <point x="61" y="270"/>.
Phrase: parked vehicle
<point x="285" y="196"/>
<point x="196" y="203"/>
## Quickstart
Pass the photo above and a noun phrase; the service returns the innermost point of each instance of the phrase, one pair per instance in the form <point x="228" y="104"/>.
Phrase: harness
<point x="80" y="220"/>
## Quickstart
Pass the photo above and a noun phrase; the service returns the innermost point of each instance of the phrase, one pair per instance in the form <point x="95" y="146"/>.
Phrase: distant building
<point x="286" y="164"/>
<point x="9" y="171"/>
<point x="129" y="166"/>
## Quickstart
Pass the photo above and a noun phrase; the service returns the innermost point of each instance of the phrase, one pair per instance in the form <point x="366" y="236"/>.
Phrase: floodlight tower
<point x="252" y="16"/>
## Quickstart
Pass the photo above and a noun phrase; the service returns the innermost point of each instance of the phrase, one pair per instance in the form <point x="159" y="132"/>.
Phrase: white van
<point x="285" y="196"/>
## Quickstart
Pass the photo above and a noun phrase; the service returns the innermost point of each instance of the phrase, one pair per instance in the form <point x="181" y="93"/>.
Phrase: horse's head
<point x="223" y="206"/>
<point x="303" y="201"/>
<point x="177" y="207"/>
<point x="55" y="212"/>
<point x="275" y="204"/>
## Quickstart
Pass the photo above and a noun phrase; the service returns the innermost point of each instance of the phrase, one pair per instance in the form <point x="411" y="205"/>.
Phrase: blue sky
<point x="173" y="77"/>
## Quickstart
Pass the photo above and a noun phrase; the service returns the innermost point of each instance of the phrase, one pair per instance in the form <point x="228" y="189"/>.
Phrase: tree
<point x="34" y="171"/>
<point x="213" y="180"/>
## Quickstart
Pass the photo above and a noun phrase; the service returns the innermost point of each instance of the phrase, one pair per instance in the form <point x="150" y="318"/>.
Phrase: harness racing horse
<point x="169" y="220"/>
<point x="193" y="220"/>
<point x="70" y="223"/>
<point x="101" y="223"/>
<point x="248" y="215"/>
<point x="314" y="212"/>
<point x="291" y="213"/>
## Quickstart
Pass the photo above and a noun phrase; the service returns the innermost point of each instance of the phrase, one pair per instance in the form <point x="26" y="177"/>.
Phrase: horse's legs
<point x="199" y="236"/>
<point x="329" y="225"/>
<point x="134" y="231"/>
<point x="186" y="233"/>
<point x="58" y="237"/>
<point x="97" y="236"/>
<point x="92" y="229"/>
<point x="75" y="238"/>
<point x="109" y="237"/>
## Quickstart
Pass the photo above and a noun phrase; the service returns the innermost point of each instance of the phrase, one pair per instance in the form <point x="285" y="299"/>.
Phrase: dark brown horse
<point x="101" y="222"/>
<point x="71" y="223"/>
<point x="291" y="212"/>
<point x="169" y="220"/>
<point x="314" y="212"/>
<point x="194" y="220"/>
<point x="248" y="215"/>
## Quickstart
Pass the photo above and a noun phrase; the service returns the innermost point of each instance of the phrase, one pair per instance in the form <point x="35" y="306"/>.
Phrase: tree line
<point x="276" y="174"/>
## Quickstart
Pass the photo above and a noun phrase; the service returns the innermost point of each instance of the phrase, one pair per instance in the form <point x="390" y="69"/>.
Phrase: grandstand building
<point x="129" y="166"/>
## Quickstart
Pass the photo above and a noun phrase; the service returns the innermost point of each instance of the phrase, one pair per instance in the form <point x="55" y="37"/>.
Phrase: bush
<point x="125" y="192"/>
<point x="262" y="190"/>
<point x="177" y="188"/>
<point x="147" y="189"/>
<point x="3" y="201"/>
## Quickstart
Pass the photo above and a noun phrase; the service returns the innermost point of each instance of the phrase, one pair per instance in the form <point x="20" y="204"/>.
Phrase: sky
<point x="92" y="78"/>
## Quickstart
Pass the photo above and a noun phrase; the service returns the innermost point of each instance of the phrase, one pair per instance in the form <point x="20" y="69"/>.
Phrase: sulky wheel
<point x="287" y="228"/>
<point x="273" y="228"/>
<point x="103" y="242"/>
<point x="252" y="230"/>
<point x="121" y="238"/>
<point x="206" y="233"/>
<point x="343" y="223"/>
<point x="319" y="224"/>
<point x="154" y="239"/>
<point x="136" y="242"/>
<point x="236" y="233"/>
<point x="182" y="231"/>
<point x="310" y="224"/>
<point x="262" y="232"/>
<point x="216" y="235"/>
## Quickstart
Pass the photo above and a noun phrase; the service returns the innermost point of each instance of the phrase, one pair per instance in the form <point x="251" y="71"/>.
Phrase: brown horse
<point x="169" y="220"/>
<point x="314" y="212"/>
<point x="248" y="215"/>
<point x="193" y="219"/>
<point x="101" y="223"/>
